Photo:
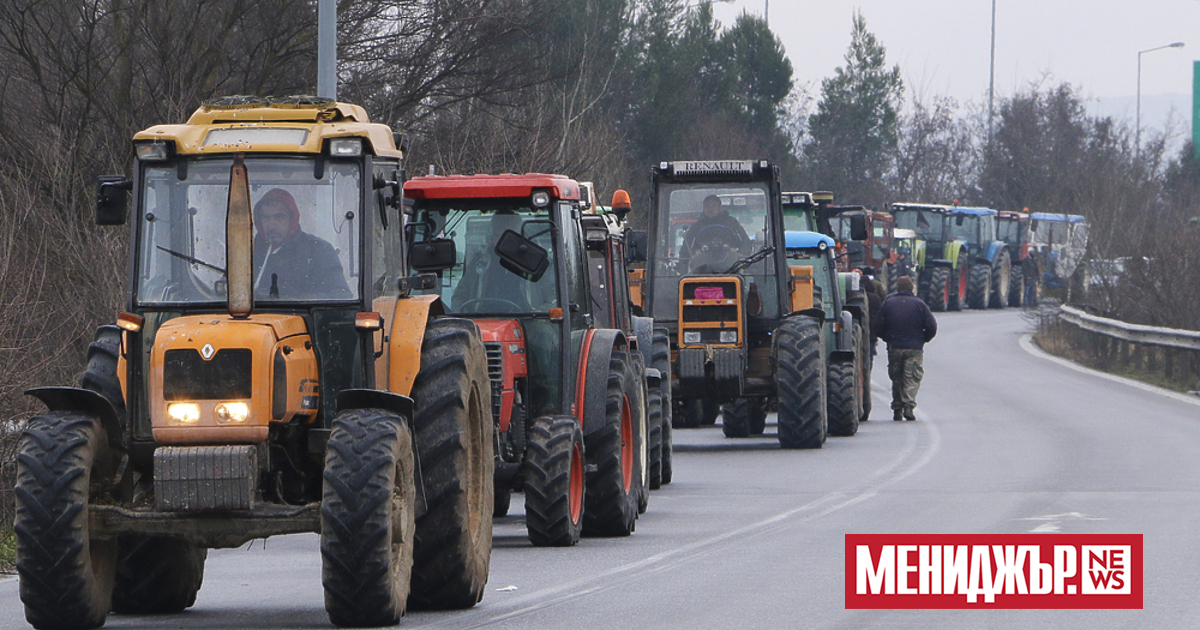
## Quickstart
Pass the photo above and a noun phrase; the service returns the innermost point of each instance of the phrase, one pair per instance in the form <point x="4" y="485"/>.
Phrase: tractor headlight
<point x="183" y="413"/>
<point x="728" y="336"/>
<point x="692" y="336"/>
<point x="232" y="412"/>
<point x="345" y="147"/>
<point x="541" y="199"/>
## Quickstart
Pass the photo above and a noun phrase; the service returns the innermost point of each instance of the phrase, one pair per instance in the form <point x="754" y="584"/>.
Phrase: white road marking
<point x="1052" y="523"/>
<point x="1028" y="346"/>
<point x="823" y="506"/>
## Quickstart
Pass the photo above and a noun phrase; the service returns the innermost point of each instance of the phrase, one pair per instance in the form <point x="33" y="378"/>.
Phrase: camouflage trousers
<point x="905" y="368"/>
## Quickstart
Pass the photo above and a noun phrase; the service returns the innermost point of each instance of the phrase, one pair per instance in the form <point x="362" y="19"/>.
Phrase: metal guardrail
<point x="1133" y="333"/>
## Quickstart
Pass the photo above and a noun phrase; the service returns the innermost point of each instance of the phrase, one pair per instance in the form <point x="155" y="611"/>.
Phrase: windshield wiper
<point x="191" y="259"/>
<point x="751" y="259"/>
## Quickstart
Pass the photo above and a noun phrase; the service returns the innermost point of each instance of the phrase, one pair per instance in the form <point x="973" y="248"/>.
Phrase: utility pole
<point x="327" y="49"/>
<point x="992" y="77"/>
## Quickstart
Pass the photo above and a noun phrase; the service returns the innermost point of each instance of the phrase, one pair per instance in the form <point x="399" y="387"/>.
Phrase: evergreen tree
<point x="853" y="134"/>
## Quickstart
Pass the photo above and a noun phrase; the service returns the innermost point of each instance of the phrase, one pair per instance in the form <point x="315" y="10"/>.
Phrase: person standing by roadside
<point x="906" y="324"/>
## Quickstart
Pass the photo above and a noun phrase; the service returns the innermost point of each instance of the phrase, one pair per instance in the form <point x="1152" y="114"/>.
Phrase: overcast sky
<point x="942" y="46"/>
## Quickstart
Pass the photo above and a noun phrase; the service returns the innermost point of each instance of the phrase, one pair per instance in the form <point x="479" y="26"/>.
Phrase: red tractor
<point x="567" y="387"/>
<point x="864" y="239"/>
<point x="1013" y="228"/>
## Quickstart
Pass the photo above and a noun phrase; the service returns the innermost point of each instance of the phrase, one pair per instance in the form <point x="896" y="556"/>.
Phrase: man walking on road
<point x="906" y="324"/>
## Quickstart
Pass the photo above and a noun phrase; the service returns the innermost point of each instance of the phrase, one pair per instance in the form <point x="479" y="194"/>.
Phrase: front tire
<point x="1016" y="286"/>
<point x="453" y="429"/>
<point x="554" y="482"/>
<point x="843" y="400"/>
<point x="66" y="574"/>
<point x="1001" y="276"/>
<point x="800" y="383"/>
<point x="939" y="289"/>
<point x="367" y="518"/>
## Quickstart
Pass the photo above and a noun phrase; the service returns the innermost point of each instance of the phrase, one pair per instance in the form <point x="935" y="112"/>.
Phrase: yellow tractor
<point x="273" y="374"/>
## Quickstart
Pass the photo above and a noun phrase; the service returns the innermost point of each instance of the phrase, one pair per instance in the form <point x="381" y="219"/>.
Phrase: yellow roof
<point x="292" y="126"/>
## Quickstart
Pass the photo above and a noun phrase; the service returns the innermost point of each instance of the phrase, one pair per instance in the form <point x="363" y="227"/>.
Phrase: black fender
<point x="376" y="399"/>
<point x="815" y="313"/>
<point x="86" y="401"/>
<point x="595" y="376"/>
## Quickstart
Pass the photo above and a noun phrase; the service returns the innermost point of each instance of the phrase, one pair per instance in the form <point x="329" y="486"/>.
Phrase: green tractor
<point x="743" y="332"/>
<point x="943" y="278"/>
<point x="812" y="264"/>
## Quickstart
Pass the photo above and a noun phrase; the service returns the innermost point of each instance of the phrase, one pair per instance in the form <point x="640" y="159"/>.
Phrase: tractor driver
<point x="486" y="286"/>
<point x="715" y="240"/>
<point x="714" y="214"/>
<point x="288" y="262"/>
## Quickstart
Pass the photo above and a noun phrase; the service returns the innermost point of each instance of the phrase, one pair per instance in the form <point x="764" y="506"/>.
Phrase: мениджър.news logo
<point x="994" y="571"/>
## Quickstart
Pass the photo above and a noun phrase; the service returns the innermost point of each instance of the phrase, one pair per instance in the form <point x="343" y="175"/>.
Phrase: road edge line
<point x="1027" y="345"/>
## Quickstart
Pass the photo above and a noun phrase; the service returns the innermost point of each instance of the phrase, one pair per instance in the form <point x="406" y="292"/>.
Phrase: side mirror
<point x="636" y="246"/>
<point x="522" y="256"/>
<point x="112" y="199"/>
<point x="858" y="228"/>
<point x="433" y="255"/>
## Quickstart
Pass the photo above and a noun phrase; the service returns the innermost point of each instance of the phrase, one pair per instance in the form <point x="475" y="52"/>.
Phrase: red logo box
<point x="994" y="571"/>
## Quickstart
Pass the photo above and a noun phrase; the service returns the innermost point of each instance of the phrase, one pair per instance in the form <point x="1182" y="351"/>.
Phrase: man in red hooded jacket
<point x="291" y="264"/>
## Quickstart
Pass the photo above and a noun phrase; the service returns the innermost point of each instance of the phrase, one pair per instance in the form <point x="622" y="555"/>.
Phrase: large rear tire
<point x="636" y="388"/>
<point x="865" y="364"/>
<point x="700" y="412"/>
<point x="610" y="503"/>
<point x="66" y="574"/>
<point x="156" y="575"/>
<point x="367" y="518"/>
<point x="654" y="432"/>
<point x="979" y="285"/>
<point x="800" y="382"/>
<point x="843" y="400"/>
<point x="660" y="359"/>
<point x="740" y="417"/>
<point x="554" y="482"/>
<point x="452" y="424"/>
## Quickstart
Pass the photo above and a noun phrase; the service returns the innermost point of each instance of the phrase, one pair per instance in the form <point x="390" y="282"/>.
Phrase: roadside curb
<point x="1028" y="346"/>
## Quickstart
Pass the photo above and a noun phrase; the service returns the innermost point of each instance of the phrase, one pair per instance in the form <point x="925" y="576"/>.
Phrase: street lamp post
<point x="1137" y="134"/>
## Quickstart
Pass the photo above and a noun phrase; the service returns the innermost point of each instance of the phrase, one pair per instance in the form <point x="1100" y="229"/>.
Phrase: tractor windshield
<point x="711" y="229"/>
<point x="481" y="282"/>
<point x="965" y="227"/>
<point x="927" y="223"/>
<point x="1009" y="231"/>
<point x="306" y="230"/>
<point x="798" y="218"/>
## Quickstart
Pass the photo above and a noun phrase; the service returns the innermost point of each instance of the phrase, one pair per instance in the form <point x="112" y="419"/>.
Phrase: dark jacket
<point x="874" y="301"/>
<point x="305" y="267"/>
<point x="723" y="219"/>
<point x="905" y="322"/>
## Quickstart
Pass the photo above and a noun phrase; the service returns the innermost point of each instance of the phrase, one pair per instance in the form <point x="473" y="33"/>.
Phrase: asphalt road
<point x="749" y="536"/>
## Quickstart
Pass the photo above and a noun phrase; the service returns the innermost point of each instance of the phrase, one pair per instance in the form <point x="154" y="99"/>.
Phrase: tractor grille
<point x="187" y="376"/>
<point x="495" y="368"/>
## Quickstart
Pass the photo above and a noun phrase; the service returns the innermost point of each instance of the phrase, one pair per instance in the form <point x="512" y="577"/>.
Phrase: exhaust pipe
<point x="239" y="243"/>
